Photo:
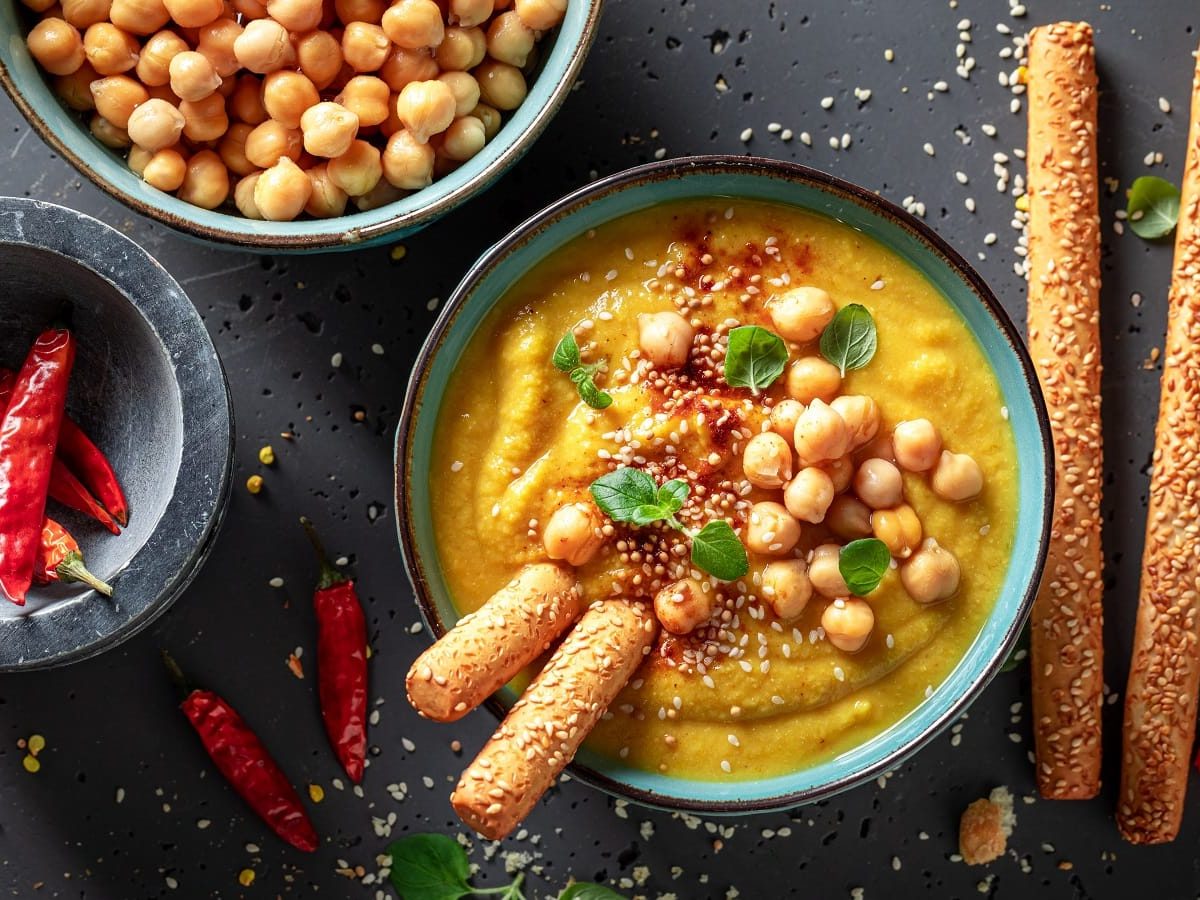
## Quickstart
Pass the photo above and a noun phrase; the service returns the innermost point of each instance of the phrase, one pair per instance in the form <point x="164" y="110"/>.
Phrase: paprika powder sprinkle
<point x="28" y="440"/>
<point x="341" y="661"/>
<point x="241" y="757"/>
<point x="60" y="559"/>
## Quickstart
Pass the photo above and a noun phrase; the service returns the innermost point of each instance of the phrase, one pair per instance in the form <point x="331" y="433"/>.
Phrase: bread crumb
<point x="985" y="828"/>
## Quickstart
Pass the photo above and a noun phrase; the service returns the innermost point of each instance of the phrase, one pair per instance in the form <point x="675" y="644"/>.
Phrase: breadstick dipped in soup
<point x="600" y="417"/>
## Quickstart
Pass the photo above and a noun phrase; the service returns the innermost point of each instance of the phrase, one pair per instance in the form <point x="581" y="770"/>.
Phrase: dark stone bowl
<point x="149" y="389"/>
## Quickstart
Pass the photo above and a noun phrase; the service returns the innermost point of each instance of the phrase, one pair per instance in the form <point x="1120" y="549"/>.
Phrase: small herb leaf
<point x="672" y="494"/>
<point x="850" y="340"/>
<point x="863" y="563"/>
<point x="621" y="493"/>
<point x="648" y="513"/>
<point x="755" y="357"/>
<point x="1153" y="207"/>
<point x="581" y="890"/>
<point x="429" y="867"/>
<point x="592" y="395"/>
<point x="717" y="550"/>
<point x="566" y="354"/>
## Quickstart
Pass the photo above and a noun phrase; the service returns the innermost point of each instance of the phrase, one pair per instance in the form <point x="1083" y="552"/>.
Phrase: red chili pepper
<point x="241" y="757"/>
<point x="61" y="560"/>
<point x="341" y="661"/>
<point x="80" y="455"/>
<point x="28" y="438"/>
<point x="67" y="490"/>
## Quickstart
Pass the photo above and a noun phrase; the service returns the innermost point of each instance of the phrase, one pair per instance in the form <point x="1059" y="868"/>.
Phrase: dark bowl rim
<point x="334" y="238"/>
<point x="766" y="167"/>
<point x="206" y="453"/>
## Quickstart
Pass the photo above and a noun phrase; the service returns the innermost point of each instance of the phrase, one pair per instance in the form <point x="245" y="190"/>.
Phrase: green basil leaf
<point x="849" y="341"/>
<point x="566" y="354"/>
<point x="755" y="357"/>
<point x="648" y="513"/>
<point x="1153" y="207"/>
<point x="717" y="550"/>
<point x="582" y="890"/>
<point x="1020" y="651"/>
<point x="622" y="491"/>
<point x="863" y="563"/>
<point x="590" y="394"/>
<point x="671" y="495"/>
<point x="429" y="867"/>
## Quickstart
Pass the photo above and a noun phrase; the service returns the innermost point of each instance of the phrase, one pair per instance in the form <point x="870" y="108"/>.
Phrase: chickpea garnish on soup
<point x="737" y="421"/>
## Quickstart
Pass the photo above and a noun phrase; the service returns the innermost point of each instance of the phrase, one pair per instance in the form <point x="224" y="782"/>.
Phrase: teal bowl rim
<point x="935" y="713"/>
<point x="30" y="90"/>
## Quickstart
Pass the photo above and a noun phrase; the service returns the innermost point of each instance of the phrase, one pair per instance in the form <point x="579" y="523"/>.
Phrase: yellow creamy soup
<point x="744" y="694"/>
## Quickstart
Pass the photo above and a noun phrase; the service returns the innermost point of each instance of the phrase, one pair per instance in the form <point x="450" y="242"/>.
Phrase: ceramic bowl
<point x="911" y="239"/>
<point x="149" y="390"/>
<point x="67" y="134"/>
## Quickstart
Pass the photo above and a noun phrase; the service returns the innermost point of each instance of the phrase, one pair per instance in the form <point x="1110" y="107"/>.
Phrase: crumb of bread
<point x="985" y="828"/>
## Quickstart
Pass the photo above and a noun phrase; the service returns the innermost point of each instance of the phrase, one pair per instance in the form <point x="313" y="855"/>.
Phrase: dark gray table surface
<point x="669" y="78"/>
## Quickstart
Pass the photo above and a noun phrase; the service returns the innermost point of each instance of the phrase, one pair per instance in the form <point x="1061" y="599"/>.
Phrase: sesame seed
<point x="826" y="103"/>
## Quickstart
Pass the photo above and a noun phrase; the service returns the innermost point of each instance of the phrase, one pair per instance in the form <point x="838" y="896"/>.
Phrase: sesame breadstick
<point x="488" y="647"/>
<point x="1064" y="340"/>
<point x="1164" y="675"/>
<point x="546" y="726"/>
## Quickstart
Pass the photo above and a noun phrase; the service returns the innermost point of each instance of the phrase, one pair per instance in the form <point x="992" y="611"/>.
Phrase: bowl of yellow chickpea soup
<point x="293" y="125"/>
<point x="776" y="410"/>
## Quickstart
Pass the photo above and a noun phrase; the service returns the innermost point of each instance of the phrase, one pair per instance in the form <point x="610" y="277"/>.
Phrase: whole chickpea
<point x="328" y="128"/>
<point x="264" y="47"/>
<point x="801" y="314"/>
<point x="809" y="494"/>
<point x="365" y="46"/>
<point x="272" y="141"/>
<point x="141" y="17"/>
<point x="75" y="89"/>
<point x="110" y="135"/>
<point x="407" y="162"/>
<point x="245" y="103"/>
<point x="380" y="195"/>
<point x="216" y="43"/>
<point x="206" y="181"/>
<point x="137" y="159"/>
<point x="56" y="45"/>
<point x="370" y="11"/>
<point x="243" y="196"/>
<point x="358" y="170"/>
<point x="957" y="477"/>
<point x="541" y="15"/>
<point x="117" y="96"/>
<point x="402" y="67"/>
<point x="193" y="76"/>
<point x="931" y="574"/>
<point x="820" y="435"/>
<point x="840" y="472"/>
<point x="825" y="573"/>
<point x="861" y="415"/>
<point x="771" y="530"/>
<point x="811" y="378"/>
<point x="463" y="139"/>
<point x="665" y="338"/>
<point x="367" y="97"/>
<point x="879" y="484"/>
<point x="786" y="587"/>
<point x="204" y="120"/>
<point x="501" y="85"/>
<point x="848" y="623"/>
<point x="319" y="55"/>
<point x="784" y="416"/>
<point x="573" y="534"/>
<point x="414" y="23"/>
<point x="510" y="40"/>
<point x="461" y="49"/>
<point x="249" y="10"/>
<point x="155" y="125"/>
<point x="165" y="170"/>
<point x="767" y="460"/>
<point x="287" y="95"/>
<point x="85" y="13"/>
<point x="684" y="605"/>
<point x="232" y="149"/>
<point x="469" y="13"/>
<point x="38" y="6"/>
<point x="426" y="108"/>
<point x="898" y="528"/>
<point x="297" y="16"/>
<point x="917" y="445"/>
<point x="848" y="518"/>
<point x="465" y="90"/>
<point x="109" y="50"/>
<point x="879" y="447"/>
<point x="282" y="191"/>
<point x="194" y="14"/>
<point x="328" y="201"/>
<point x="154" y="62"/>
<point x="490" y="118"/>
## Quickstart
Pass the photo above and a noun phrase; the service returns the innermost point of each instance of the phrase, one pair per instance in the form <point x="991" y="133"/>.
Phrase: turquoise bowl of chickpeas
<point x="770" y="410"/>
<point x="293" y="125"/>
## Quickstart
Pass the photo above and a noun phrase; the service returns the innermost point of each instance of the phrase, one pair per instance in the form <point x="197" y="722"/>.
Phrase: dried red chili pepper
<point x="67" y="490"/>
<point x="341" y="661"/>
<point x="60" y="559"/>
<point x="87" y="463"/>
<point x="28" y="439"/>
<point x="241" y="757"/>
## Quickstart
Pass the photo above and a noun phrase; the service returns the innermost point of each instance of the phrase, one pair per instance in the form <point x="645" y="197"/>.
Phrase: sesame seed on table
<point x="123" y="804"/>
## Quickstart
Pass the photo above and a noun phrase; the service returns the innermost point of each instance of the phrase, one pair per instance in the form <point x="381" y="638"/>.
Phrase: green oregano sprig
<point x="566" y="358"/>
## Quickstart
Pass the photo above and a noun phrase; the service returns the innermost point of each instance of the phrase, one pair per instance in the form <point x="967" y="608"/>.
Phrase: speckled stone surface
<point x="679" y="77"/>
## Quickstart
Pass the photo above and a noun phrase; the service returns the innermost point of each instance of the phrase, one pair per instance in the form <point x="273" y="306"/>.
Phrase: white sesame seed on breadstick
<point x="1164" y="674"/>
<point x="560" y="707"/>
<point x="1066" y="643"/>
<point x="488" y="647"/>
